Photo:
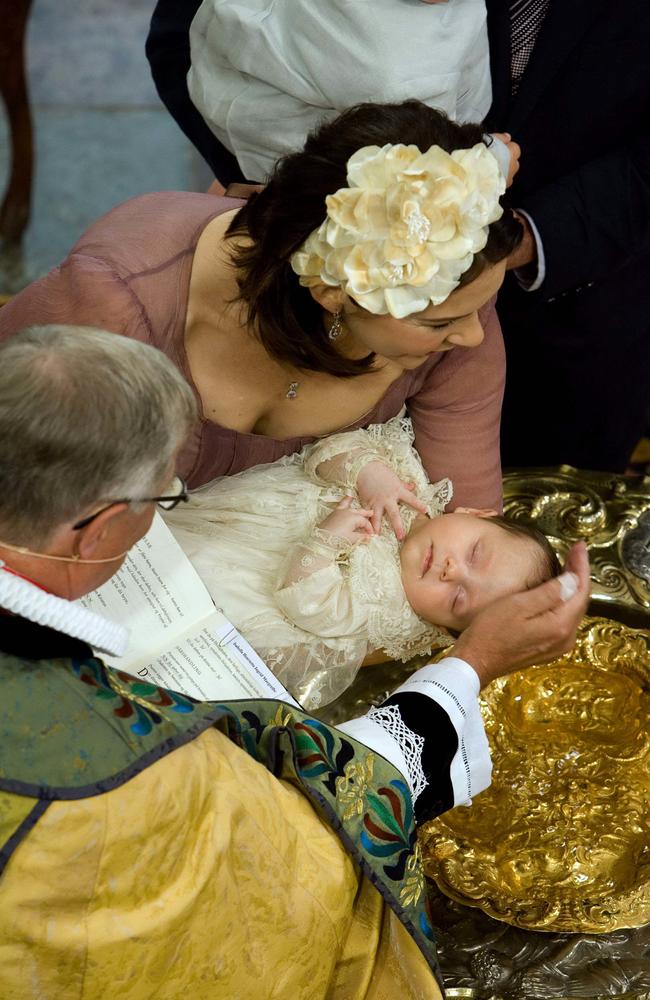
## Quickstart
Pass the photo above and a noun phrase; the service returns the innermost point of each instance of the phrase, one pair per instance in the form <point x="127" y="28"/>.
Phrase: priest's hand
<point x="534" y="626"/>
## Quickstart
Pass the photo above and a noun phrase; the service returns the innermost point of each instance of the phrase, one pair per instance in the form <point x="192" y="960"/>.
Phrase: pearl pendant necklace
<point x="292" y="391"/>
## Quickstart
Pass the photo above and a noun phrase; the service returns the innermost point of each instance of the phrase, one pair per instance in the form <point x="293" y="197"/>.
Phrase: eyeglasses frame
<point x="174" y="501"/>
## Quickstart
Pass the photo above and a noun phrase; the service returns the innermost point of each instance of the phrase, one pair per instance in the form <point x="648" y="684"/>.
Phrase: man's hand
<point x="531" y="627"/>
<point x="381" y="489"/>
<point x="353" y="525"/>
<point x="515" y="154"/>
<point x="526" y="252"/>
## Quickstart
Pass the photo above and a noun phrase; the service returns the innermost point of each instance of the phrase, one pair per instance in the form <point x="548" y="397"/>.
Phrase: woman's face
<point x="409" y="341"/>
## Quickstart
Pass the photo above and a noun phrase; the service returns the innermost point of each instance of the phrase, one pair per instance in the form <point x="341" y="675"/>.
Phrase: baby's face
<point x="457" y="564"/>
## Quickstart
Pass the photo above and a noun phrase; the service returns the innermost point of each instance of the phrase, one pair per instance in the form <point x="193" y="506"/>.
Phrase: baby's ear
<point x="477" y="511"/>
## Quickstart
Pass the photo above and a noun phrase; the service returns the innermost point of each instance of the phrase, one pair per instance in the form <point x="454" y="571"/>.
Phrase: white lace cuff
<point x="411" y="744"/>
<point x="369" y="732"/>
<point x="455" y="686"/>
<point x="354" y="464"/>
<point x="326" y="543"/>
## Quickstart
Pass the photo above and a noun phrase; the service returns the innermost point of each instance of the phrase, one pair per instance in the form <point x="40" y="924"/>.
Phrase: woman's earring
<point x="336" y="328"/>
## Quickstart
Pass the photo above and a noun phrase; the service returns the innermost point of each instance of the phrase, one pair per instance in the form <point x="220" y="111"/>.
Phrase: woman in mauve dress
<point x="278" y="359"/>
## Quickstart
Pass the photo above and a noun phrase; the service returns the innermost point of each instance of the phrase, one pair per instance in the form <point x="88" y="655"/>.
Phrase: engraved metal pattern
<point x="484" y="958"/>
<point x="611" y="513"/>
<point x="635" y="549"/>
<point x="561" y="839"/>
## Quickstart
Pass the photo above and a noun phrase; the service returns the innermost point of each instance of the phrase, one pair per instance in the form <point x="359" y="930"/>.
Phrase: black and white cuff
<point x="432" y="731"/>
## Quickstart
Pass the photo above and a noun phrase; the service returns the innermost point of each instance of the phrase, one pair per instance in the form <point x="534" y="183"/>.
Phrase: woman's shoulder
<point x="129" y="272"/>
<point x="150" y="229"/>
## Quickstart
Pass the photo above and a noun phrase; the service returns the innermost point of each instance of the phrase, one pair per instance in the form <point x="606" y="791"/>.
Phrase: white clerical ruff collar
<point x="27" y="600"/>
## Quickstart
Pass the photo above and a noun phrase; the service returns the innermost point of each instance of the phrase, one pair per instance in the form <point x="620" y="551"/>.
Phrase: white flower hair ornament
<point x="407" y="227"/>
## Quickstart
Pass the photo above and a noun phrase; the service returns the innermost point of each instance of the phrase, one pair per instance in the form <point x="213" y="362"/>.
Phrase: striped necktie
<point x="526" y="18"/>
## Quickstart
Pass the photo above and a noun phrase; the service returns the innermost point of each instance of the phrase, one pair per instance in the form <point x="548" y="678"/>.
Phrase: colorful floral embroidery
<point x="377" y="817"/>
<point x="138" y="701"/>
<point x="389" y="831"/>
<point x="355" y="790"/>
<point x="315" y="753"/>
<point x="282" y="717"/>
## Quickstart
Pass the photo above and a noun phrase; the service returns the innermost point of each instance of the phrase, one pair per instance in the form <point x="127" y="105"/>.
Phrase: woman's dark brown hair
<point x="279" y="219"/>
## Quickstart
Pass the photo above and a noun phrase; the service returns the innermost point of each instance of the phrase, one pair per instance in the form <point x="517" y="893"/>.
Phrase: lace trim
<point x="375" y="579"/>
<point x="318" y="546"/>
<point x="327" y="543"/>
<point x="315" y="670"/>
<point x="391" y="443"/>
<point x="353" y="466"/>
<point x="411" y="744"/>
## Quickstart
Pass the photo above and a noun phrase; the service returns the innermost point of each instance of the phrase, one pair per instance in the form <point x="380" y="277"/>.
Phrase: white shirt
<point x="266" y="72"/>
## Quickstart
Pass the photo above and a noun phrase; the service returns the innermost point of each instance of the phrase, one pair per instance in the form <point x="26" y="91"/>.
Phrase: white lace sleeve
<point x="338" y="459"/>
<point x="320" y="549"/>
<point x="316" y="671"/>
<point x="314" y="591"/>
<point x="331" y="635"/>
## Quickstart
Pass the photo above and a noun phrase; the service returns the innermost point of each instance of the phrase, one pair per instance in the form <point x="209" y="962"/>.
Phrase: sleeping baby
<point x="344" y="550"/>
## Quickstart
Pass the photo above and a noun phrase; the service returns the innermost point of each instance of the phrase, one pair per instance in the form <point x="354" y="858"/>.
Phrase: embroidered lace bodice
<point x="313" y="605"/>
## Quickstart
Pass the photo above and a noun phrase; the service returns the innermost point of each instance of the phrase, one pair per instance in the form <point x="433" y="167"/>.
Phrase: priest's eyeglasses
<point x="178" y="494"/>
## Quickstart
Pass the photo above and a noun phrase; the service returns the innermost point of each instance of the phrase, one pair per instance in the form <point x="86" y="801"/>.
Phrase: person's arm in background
<point x="456" y="418"/>
<point x="431" y="727"/>
<point x="588" y="223"/>
<point x="168" y="51"/>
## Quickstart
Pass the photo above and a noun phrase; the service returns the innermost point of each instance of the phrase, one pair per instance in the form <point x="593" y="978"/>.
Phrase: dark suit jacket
<point x="168" y="51"/>
<point x="581" y="116"/>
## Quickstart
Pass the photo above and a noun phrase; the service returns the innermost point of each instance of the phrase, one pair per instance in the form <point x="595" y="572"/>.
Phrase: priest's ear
<point x="101" y="533"/>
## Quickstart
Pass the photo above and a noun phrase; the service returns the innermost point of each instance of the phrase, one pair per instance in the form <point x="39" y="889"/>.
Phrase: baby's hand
<point x="353" y="525"/>
<point x="381" y="489"/>
<point x="515" y="152"/>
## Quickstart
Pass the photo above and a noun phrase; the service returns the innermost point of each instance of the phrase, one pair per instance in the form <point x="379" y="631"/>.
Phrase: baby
<point x="451" y="566"/>
<point x="343" y="549"/>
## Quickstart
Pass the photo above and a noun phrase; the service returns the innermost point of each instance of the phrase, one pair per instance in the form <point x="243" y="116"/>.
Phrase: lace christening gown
<point x="311" y="604"/>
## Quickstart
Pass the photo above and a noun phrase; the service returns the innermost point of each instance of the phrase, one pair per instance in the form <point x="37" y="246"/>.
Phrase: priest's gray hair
<point x="86" y="417"/>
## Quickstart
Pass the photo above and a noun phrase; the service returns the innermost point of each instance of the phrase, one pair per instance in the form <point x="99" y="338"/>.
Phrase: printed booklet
<point x="178" y="638"/>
